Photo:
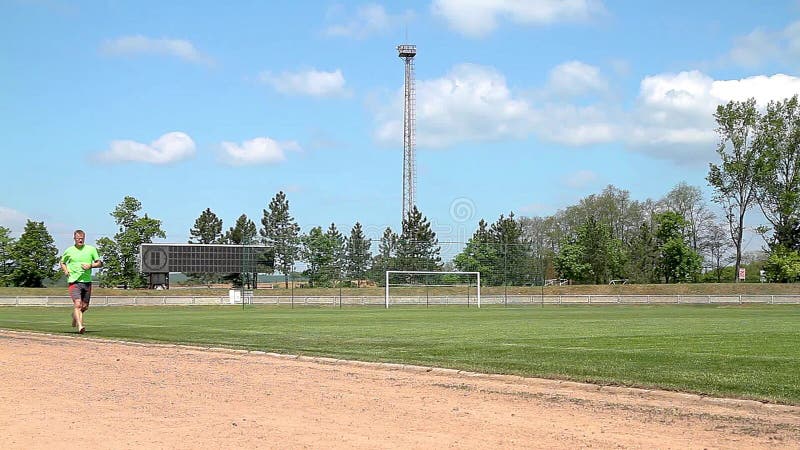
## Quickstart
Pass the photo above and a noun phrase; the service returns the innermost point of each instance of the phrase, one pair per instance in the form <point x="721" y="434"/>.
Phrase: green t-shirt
<point x="73" y="257"/>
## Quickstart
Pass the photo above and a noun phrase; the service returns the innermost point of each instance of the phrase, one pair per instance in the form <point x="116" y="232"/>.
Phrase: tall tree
<point x="418" y="248"/>
<point x="318" y="252"/>
<point x="6" y="260"/>
<point x="571" y="262"/>
<point x="678" y="261"/>
<point x="778" y="190"/>
<point x="593" y="255"/>
<point x="338" y="243"/>
<point x="281" y="232"/>
<point x="120" y="254"/>
<point x="735" y="179"/>
<point x="35" y="256"/>
<point x="244" y="232"/>
<point x="357" y="254"/>
<point x="207" y="230"/>
<point x="537" y="232"/>
<point x="111" y="273"/>
<point x="514" y="260"/>
<point x="717" y="246"/>
<point x="688" y="202"/>
<point x="643" y="256"/>
<point x="386" y="259"/>
<point x="481" y="254"/>
<point x="783" y="265"/>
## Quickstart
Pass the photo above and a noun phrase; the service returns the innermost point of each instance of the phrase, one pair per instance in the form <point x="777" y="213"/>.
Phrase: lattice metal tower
<point x="407" y="52"/>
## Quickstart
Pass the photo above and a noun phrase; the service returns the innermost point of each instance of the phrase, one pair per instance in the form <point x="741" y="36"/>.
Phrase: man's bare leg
<point x="81" y="326"/>
<point x="77" y="314"/>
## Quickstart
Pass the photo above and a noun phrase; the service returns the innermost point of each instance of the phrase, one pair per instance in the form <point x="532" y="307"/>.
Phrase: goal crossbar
<point x="389" y="272"/>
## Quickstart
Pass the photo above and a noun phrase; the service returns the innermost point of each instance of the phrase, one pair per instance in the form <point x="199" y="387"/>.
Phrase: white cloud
<point x="580" y="179"/>
<point x="367" y="20"/>
<point x="470" y="103"/>
<point x="261" y="150"/>
<point x="763" y="88"/>
<point x="674" y="116"/>
<point x="684" y="97"/>
<point x="575" y="78"/>
<point x="762" y="46"/>
<point x="13" y="220"/>
<point x="577" y="126"/>
<point x="473" y="103"/>
<point x="142" y="45"/>
<point x="478" y="18"/>
<point x="314" y="83"/>
<point x="169" y="148"/>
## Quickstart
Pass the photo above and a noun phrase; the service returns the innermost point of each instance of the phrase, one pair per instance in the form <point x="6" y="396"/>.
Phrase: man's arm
<point x="64" y="269"/>
<point x="96" y="262"/>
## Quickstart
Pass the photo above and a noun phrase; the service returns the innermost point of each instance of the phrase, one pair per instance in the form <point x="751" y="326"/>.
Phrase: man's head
<point x="79" y="237"/>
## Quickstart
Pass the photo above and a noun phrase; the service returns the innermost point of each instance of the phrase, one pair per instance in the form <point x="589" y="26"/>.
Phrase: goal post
<point x="413" y="273"/>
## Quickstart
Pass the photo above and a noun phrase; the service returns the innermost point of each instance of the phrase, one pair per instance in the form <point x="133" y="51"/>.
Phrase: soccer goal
<point x="414" y="287"/>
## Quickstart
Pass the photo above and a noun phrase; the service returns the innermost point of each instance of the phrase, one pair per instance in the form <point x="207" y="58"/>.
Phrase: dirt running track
<point x="76" y="392"/>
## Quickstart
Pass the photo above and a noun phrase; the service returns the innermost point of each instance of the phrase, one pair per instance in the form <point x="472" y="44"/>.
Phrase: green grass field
<point x="732" y="351"/>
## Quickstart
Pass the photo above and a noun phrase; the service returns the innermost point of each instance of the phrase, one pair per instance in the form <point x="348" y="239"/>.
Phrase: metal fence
<point x="421" y="300"/>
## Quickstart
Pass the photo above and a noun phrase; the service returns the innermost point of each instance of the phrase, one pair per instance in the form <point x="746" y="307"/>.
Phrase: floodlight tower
<point x="407" y="52"/>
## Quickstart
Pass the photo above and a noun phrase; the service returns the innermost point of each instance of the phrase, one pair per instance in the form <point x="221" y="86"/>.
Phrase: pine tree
<point x="35" y="256"/>
<point x="338" y="248"/>
<point x="386" y="259"/>
<point x="207" y="230"/>
<point x="357" y="254"/>
<point x="243" y="233"/>
<point x="281" y="232"/>
<point x="514" y="260"/>
<point x="418" y="247"/>
<point x="480" y="255"/>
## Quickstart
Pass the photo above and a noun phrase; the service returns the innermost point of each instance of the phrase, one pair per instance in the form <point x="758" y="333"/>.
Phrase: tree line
<point x="603" y="237"/>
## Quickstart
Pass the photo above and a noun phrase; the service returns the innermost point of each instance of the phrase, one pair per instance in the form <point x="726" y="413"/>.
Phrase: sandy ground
<point x="80" y="392"/>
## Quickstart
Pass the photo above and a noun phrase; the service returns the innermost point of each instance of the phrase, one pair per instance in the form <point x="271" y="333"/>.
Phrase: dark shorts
<point x="80" y="291"/>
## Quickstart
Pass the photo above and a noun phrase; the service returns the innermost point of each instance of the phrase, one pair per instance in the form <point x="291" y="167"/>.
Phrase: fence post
<point x="740" y="299"/>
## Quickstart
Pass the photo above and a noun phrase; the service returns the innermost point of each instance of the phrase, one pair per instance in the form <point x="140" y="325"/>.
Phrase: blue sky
<point x="523" y="106"/>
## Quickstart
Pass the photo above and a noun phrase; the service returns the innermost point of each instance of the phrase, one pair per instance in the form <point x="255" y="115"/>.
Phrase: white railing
<point x="438" y="300"/>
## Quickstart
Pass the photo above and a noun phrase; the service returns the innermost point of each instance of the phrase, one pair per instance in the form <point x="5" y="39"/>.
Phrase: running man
<point x="77" y="263"/>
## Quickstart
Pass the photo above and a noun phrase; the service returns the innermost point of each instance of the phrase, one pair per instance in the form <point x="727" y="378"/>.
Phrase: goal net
<point x="408" y="287"/>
